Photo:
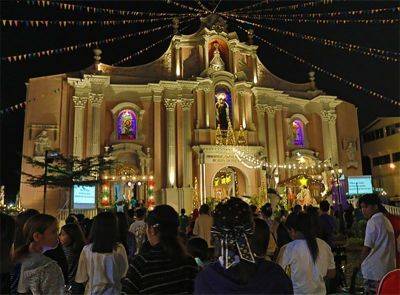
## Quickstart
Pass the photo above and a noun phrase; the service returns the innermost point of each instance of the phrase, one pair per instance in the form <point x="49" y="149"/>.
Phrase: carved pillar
<point x="279" y="135"/>
<point x="326" y="138"/>
<point x="80" y="105"/>
<point x="96" y="101"/>
<point x="170" y="105"/>
<point x="187" y="150"/>
<point x="261" y="126"/>
<point x="242" y="108"/>
<point x="334" y="143"/>
<point x="157" y="149"/>
<point x="273" y="153"/>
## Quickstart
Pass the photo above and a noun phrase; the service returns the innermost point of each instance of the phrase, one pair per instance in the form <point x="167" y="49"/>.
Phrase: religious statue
<point x="304" y="197"/>
<point x="351" y="154"/>
<point x="217" y="64"/>
<point x="222" y="110"/>
<point x="42" y="143"/>
<point x="120" y="203"/>
<point x="241" y="140"/>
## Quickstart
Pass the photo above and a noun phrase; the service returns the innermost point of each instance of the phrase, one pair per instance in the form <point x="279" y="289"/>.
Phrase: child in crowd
<point x="183" y="221"/>
<point x="198" y="249"/>
<point x="103" y="262"/>
<point x="39" y="274"/>
<point x="138" y="229"/>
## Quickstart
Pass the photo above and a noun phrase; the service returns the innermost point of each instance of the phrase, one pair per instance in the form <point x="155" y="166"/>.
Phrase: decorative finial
<point x="311" y="76"/>
<point x="250" y="35"/>
<point x="175" y="25"/>
<point x="97" y="55"/>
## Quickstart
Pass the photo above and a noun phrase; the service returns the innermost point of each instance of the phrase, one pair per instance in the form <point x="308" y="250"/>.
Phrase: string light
<point x="252" y="6"/>
<point x="395" y="102"/>
<point x="205" y="9"/>
<point x="325" y="21"/>
<point x="329" y="14"/>
<point x="180" y="5"/>
<point x="83" y="23"/>
<point x="129" y="57"/>
<point x="91" y="9"/>
<point x="331" y="43"/>
<point x="18" y="106"/>
<point x="74" y="47"/>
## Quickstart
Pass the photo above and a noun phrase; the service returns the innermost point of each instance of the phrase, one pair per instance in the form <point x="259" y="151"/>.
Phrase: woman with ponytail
<point x="307" y="259"/>
<point x="164" y="266"/>
<point x="39" y="274"/>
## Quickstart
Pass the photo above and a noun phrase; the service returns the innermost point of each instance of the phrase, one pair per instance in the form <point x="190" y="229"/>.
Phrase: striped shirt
<point x="153" y="272"/>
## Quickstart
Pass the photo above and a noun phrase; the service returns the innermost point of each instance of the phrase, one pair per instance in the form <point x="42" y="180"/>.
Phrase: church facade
<point x="205" y="120"/>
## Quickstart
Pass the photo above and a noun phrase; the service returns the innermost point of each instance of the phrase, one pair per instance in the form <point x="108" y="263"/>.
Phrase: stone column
<point x="279" y="135"/>
<point x="273" y="153"/>
<point x="334" y="143"/>
<point x="157" y="150"/>
<point x="95" y="101"/>
<point x="170" y="105"/>
<point x="261" y="126"/>
<point x="326" y="138"/>
<point x="187" y="150"/>
<point x="80" y="105"/>
<point x="242" y="108"/>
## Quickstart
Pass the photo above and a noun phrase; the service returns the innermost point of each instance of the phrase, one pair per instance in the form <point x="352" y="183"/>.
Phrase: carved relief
<point x="170" y="104"/>
<point x="350" y="146"/>
<point x="79" y="102"/>
<point x="42" y="143"/>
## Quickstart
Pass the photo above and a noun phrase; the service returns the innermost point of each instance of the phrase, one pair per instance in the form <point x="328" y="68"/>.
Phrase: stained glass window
<point x="298" y="133"/>
<point x="126" y="125"/>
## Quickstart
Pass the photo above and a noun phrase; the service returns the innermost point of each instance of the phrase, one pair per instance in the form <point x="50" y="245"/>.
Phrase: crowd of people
<point x="233" y="249"/>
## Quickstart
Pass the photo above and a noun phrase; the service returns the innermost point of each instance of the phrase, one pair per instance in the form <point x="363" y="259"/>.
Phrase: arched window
<point x="223" y="107"/>
<point x="126" y="125"/>
<point x="297" y="133"/>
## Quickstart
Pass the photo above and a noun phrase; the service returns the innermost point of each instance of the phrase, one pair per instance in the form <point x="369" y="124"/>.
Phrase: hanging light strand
<point x="91" y="9"/>
<point x="328" y="14"/>
<point x="356" y="86"/>
<point x="80" y="23"/>
<point x="372" y="52"/>
<point x="203" y="7"/>
<point x="249" y="7"/>
<point x="16" y="107"/>
<point x="183" y="6"/>
<point x="70" y="48"/>
<point x="129" y="57"/>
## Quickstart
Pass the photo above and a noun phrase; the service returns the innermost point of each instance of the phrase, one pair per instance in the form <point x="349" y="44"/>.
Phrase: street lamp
<point x="49" y="157"/>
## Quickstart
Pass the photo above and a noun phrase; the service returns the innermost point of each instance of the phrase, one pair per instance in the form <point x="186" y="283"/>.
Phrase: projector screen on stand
<point x="84" y="196"/>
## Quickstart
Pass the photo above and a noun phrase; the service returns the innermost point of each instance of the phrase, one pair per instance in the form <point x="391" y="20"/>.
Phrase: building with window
<point x="205" y="120"/>
<point x="381" y="153"/>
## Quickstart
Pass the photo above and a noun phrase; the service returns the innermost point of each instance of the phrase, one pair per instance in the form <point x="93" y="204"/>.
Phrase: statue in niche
<point x="350" y="149"/>
<point x="222" y="110"/>
<point x="217" y="64"/>
<point x="241" y="139"/>
<point x="42" y="144"/>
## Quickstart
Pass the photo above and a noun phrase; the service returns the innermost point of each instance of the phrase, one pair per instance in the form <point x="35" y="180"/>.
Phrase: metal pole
<point x="45" y="182"/>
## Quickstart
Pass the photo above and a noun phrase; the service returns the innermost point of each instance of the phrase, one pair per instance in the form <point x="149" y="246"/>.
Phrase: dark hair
<point x="71" y="219"/>
<point x="305" y="225"/>
<point x="267" y="210"/>
<point x="140" y="213"/>
<point x="372" y="199"/>
<point x="260" y="238"/>
<point x="35" y="224"/>
<point x="80" y="217"/>
<point x="123" y="229"/>
<point x="291" y="220"/>
<point x="204" y="209"/>
<point x="183" y="211"/>
<point x="253" y="208"/>
<point x="165" y="220"/>
<point x="75" y="233"/>
<point x="198" y="247"/>
<point x="131" y="213"/>
<point x="324" y="206"/>
<point x="7" y="233"/>
<point x="296" y="209"/>
<point x="20" y="221"/>
<point x="104" y="233"/>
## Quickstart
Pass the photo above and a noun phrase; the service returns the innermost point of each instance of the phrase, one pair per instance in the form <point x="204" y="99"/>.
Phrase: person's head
<point x="71" y="219"/>
<point x="253" y="209"/>
<point x="195" y="213"/>
<point x="204" y="209"/>
<point x="305" y="228"/>
<point x="7" y="233"/>
<point x="324" y="206"/>
<point x="282" y="215"/>
<point x="232" y="229"/>
<point x="162" y="228"/>
<point x="370" y="204"/>
<point x="71" y="235"/>
<point x="104" y="232"/>
<point x="140" y="213"/>
<point x="266" y="210"/>
<point x="260" y="238"/>
<point x="41" y="234"/>
<point x="122" y="227"/>
<point x="290" y="223"/>
<point x="131" y="213"/>
<point x="183" y="211"/>
<point x="198" y="248"/>
<point x="296" y="209"/>
<point x="80" y="217"/>
<point x="20" y="221"/>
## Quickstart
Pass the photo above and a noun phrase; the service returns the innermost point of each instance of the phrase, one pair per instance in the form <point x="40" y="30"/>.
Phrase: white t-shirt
<point x="138" y="229"/>
<point x="307" y="277"/>
<point x="102" y="272"/>
<point x="379" y="236"/>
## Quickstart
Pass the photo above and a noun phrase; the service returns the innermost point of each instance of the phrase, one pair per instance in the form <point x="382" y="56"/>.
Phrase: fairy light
<point x="373" y="52"/>
<point x="395" y="102"/>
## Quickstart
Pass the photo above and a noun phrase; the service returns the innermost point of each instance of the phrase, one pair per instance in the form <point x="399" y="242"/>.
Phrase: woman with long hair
<point x="241" y="247"/>
<point x="39" y="274"/>
<point x="164" y="266"/>
<point x="103" y="262"/>
<point x="307" y="259"/>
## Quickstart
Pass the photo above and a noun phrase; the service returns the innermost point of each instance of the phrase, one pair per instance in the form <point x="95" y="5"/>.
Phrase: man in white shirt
<point x="138" y="228"/>
<point x="379" y="253"/>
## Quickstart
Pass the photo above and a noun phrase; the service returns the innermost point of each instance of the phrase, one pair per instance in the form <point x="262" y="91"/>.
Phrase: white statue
<point x="42" y="143"/>
<point x="351" y="154"/>
<point x="304" y="197"/>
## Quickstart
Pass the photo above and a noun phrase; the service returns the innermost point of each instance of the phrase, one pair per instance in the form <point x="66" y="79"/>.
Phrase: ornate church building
<point x="205" y="120"/>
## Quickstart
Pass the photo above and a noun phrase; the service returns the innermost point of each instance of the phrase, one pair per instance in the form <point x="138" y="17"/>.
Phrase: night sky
<point x="374" y="74"/>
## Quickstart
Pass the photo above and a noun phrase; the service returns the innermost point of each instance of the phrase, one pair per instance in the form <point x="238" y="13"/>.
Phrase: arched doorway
<point x="228" y="182"/>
